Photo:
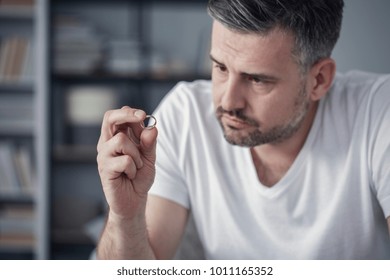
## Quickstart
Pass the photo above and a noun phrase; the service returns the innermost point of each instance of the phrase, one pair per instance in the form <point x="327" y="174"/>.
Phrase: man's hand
<point x="126" y="161"/>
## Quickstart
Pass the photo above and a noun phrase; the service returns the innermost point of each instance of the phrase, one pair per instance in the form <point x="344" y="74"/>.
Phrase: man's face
<point x="258" y="89"/>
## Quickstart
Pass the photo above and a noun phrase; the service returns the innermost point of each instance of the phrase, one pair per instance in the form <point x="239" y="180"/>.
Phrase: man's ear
<point x="321" y="74"/>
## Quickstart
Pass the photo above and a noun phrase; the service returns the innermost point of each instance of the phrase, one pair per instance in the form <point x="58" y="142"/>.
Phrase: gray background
<point x="364" y="42"/>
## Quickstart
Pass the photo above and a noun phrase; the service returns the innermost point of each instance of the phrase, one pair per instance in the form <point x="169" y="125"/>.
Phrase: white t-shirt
<point x="332" y="202"/>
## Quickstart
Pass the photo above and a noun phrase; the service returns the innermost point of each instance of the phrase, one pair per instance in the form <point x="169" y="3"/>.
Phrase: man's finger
<point x="148" y="143"/>
<point x="121" y="119"/>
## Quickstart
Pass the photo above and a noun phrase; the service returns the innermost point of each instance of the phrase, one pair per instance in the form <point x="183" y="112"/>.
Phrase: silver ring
<point x="152" y="125"/>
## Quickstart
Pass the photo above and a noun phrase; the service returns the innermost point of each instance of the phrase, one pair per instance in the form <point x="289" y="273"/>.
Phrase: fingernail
<point x="138" y="113"/>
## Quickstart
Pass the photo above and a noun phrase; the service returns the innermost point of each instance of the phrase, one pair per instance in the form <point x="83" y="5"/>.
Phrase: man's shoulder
<point x="357" y="97"/>
<point x="357" y="86"/>
<point x="197" y="88"/>
<point x="184" y="101"/>
<point x="359" y="79"/>
<point x="189" y="95"/>
<point x="196" y="84"/>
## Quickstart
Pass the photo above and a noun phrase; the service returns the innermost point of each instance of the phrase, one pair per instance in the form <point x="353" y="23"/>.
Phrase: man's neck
<point x="273" y="160"/>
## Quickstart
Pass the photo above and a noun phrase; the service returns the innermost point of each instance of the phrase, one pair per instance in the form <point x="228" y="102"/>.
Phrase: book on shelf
<point x="17" y="2"/>
<point x="124" y="57"/>
<point x="12" y="222"/>
<point x="15" y="242"/>
<point x="17" y="9"/>
<point x="16" y="60"/>
<point x="9" y="183"/>
<point x="17" y="226"/>
<point x="24" y="170"/>
<point x="16" y="174"/>
<point x="17" y="211"/>
<point x="16" y="113"/>
<point x="78" y="45"/>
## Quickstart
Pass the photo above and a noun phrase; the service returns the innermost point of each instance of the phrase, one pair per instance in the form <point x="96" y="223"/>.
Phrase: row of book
<point x="17" y="227"/>
<point x="78" y="46"/>
<point x="17" y="222"/>
<point x="16" y="113"/>
<point x="17" y="2"/>
<point x="16" y="60"/>
<point x="16" y="170"/>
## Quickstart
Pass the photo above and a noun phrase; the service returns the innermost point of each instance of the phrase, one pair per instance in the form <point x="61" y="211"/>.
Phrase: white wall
<point x="365" y="38"/>
<point x="364" y="42"/>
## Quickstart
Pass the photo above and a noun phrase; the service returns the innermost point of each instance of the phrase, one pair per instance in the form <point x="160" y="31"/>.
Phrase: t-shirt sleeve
<point x="380" y="137"/>
<point x="169" y="182"/>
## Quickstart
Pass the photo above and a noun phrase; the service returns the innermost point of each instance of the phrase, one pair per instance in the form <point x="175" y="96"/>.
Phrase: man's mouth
<point x="235" y="123"/>
<point x="235" y="119"/>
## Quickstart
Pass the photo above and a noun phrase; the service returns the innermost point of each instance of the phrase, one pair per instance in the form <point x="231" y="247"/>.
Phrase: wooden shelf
<point x="75" y="153"/>
<point x="23" y="128"/>
<point x="133" y="1"/>
<point x="70" y="236"/>
<point x="17" y="244"/>
<point x="110" y="77"/>
<point x="16" y="12"/>
<point x="16" y="198"/>
<point x="16" y="87"/>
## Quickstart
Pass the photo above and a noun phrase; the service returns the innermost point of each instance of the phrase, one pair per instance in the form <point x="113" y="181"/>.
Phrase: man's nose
<point x="233" y="96"/>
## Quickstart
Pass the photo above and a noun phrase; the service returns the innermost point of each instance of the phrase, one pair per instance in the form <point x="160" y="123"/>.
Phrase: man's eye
<point x="256" y="80"/>
<point x="221" y="68"/>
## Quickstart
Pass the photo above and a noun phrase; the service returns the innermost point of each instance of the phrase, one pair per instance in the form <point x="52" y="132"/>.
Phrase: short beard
<point x="276" y="134"/>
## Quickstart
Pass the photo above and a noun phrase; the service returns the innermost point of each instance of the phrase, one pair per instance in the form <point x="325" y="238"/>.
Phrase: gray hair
<point x="315" y="24"/>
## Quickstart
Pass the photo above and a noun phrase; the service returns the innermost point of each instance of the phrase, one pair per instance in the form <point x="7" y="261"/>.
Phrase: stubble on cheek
<point x="242" y="137"/>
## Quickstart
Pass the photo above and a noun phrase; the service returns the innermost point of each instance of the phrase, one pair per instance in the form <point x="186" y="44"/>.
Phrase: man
<point x="300" y="170"/>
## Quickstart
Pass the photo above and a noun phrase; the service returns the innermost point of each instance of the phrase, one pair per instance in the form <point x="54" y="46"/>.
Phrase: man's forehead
<point x="252" y="53"/>
<point x="276" y="42"/>
<point x="277" y="36"/>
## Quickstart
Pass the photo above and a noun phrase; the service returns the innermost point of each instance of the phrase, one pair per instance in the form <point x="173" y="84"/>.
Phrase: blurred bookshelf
<point x="104" y="55"/>
<point x="20" y="10"/>
<point x="62" y="65"/>
<point x="23" y="130"/>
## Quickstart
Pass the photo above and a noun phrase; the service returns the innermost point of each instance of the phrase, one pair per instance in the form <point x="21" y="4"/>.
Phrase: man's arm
<point x="137" y="227"/>
<point x="124" y="238"/>
<point x="166" y="222"/>
<point x="157" y="236"/>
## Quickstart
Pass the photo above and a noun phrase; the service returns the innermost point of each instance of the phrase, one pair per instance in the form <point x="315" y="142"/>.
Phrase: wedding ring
<point x="152" y="122"/>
